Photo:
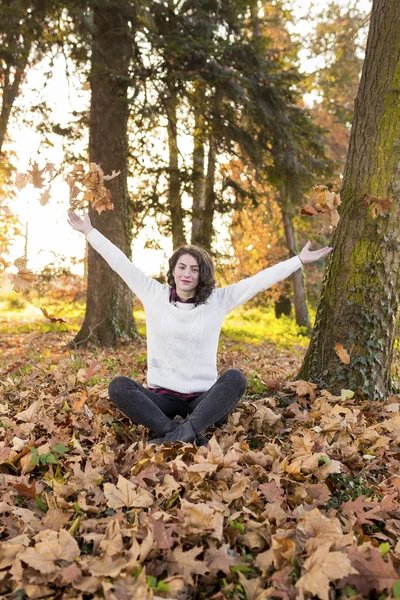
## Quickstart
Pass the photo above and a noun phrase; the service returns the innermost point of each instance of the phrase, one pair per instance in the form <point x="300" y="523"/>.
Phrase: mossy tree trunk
<point x="359" y="302"/>
<point x="109" y="308"/>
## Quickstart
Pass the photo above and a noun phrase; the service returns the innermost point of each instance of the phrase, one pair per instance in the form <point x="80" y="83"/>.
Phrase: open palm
<point x="308" y="256"/>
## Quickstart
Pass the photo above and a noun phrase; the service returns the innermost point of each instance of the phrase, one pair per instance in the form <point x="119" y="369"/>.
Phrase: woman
<point x="184" y="320"/>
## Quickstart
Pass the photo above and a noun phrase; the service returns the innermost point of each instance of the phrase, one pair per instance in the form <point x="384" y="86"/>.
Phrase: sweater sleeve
<point x="234" y="295"/>
<point x="146" y="288"/>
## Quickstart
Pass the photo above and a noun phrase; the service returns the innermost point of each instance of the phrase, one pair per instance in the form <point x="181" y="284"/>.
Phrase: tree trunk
<point x="203" y="232"/>
<point x="360" y="298"/>
<point x="174" y="188"/>
<point x="10" y="92"/>
<point x="208" y="221"/>
<point x="109" y="308"/>
<point x="199" y="183"/>
<point x="299" y="290"/>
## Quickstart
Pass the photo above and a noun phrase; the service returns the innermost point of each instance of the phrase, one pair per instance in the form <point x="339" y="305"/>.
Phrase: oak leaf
<point x="37" y="175"/>
<point x="126" y="494"/>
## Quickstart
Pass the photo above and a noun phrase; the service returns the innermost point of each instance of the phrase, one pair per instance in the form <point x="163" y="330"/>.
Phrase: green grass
<point x="257" y="325"/>
<point x="21" y="315"/>
<point x="243" y="325"/>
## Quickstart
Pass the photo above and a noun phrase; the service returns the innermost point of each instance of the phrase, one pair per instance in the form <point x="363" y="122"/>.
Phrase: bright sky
<point x="49" y="233"/>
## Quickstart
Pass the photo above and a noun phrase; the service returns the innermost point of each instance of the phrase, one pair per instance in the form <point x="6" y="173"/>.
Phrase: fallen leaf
<point x="126" y="494"/>
<point x="371" y="571"/>
<point x="320" y="569"/>
<point x="180" y="562"/>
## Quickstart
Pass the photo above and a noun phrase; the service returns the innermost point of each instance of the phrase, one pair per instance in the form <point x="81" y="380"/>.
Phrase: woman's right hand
<point x="83" y="225"/>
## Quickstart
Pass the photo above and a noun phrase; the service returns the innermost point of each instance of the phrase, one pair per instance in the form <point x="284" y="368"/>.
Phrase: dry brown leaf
<point x="22" y="180"/>
<point x="378" y="204"/>
<point x="342" y="354"/>
<point x="45" y="196"/>
<point x="184" y="563"/>
<point x="37" y="175"/>
<point x="51" y="317"/>
<point x="44" y="556"/>
<point x="221" y="559"/>
<point x="24" y="279"/>
<point x="199" y="518"/>
<point x="113" y="174"/>
<point x="316" y="530"/>
<point x="112" y="542"/>
<point x="371" y="571"/>
<point x="320" y="569"/>
<point x="126" y="494"/>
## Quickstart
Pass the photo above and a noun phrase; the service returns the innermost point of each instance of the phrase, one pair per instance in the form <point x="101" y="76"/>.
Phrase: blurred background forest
<point x="221" y="117"/>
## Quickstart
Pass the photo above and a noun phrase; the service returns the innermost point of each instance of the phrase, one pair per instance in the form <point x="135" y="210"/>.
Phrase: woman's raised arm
<point x="82" y="225"/>
<point x="145" y="287"/>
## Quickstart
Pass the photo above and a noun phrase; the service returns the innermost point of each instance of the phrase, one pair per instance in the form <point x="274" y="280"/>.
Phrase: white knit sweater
<point x="182" y="339"/>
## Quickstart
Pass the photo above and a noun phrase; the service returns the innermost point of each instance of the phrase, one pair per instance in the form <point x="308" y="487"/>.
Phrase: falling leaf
<point x="113" y="174"/>
<point x="22" y="180"/>
<point x="342" y="354"/>
<point x="37" y="175"/>
<point x="24" y="279"/>
<point x="51" y="317"/>
<point x="45" y="196"/>
<point x="323" y="202"/>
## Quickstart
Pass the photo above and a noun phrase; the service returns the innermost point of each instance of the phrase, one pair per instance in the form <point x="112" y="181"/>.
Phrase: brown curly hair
<point x="206" y="271"/>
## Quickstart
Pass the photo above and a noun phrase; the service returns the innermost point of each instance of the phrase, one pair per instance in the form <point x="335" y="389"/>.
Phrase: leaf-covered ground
<point x="297" y="495"/>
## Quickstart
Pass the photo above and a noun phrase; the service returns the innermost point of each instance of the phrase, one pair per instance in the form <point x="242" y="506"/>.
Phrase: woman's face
<point x="186" y="275"/>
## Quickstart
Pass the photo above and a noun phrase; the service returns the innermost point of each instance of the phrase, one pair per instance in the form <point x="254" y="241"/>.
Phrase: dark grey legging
<point x="156" y="411"/>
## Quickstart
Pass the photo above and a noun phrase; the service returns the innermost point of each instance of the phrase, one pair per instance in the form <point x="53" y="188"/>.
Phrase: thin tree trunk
<point x="174" y="188"/>
<point x="109" y="309"/>
<point x="360" y="299"/>
<point x="208" y="221"/>
<point x="299" y="290"/>
<point x="199" y="183"/>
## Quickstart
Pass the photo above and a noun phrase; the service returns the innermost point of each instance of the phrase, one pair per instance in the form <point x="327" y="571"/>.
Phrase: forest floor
<point x="297" y="496"/>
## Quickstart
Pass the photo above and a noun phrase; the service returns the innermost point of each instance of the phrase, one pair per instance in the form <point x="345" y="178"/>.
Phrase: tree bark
<point x="299" y="290"/>
<point x="198" y="178"/>
<point x="174" y="187"/>
<point x="359" y="303"/>
<point x="109" y="308"/>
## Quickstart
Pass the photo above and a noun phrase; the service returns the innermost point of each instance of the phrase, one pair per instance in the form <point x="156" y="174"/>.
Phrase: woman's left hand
<point x="308" y="256"/>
